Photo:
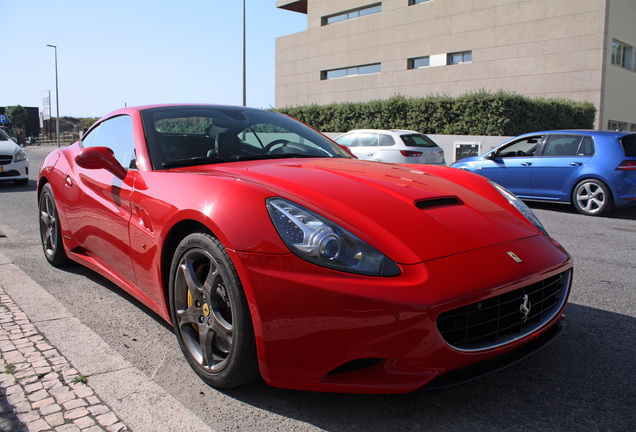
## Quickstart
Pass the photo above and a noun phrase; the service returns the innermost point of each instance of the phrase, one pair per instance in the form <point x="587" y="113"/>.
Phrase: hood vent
<point x="438" y="202"/>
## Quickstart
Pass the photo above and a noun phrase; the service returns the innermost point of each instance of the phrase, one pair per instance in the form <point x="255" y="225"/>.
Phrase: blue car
<point x="595" y="171"/>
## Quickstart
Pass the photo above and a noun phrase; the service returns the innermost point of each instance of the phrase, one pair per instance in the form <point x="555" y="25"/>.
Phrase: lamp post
<point x="57" y="100"/>
<point x="244" y="68"/>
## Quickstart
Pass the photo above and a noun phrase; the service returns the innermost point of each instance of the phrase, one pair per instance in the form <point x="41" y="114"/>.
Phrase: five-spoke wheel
<point x="210" y="313"/>
<point x="50" y="231"/>
<point x="592" y="197"/>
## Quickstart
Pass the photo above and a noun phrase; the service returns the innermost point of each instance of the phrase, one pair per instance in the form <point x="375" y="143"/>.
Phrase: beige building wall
<point x="538" y="48"/>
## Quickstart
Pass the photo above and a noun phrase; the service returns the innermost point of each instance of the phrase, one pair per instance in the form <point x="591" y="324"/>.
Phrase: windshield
<point x="4" y="136"/>
<point x="195" y="135"/>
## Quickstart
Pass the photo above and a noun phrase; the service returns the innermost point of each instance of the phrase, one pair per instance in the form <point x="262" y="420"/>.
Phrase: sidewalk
<point x="58" y="375"/>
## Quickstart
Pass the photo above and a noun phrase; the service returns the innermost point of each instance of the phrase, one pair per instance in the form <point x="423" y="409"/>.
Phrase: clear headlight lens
<point x="521" y="207"/>
<point x="320" y="241"/>
<point x="19" y="156"/>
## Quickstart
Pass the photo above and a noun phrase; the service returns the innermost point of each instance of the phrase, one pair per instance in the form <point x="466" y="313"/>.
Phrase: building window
<point x="622" y="55"/>
<point x="351" y="14"/>
<point x="414" y="2"/>
<point x="460" y="57"/>
<point x="419" y="62"/>
<point x="350" y="71"/>
<point x="617" y="126"/>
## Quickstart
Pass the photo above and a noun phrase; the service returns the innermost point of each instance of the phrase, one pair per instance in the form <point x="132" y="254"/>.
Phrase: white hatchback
<point x="394" y="146"/>
<point x="14" y="164"/>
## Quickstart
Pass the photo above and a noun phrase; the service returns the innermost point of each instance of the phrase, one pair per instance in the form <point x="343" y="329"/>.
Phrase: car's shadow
<point x="8" y="186"/>
<point x="582" y="381"/>
<point x="628" y="213"/>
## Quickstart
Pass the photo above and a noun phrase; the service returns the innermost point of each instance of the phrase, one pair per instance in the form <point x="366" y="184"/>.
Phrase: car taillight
<point x="627" y="165"/>
<point x="408" y="153"/>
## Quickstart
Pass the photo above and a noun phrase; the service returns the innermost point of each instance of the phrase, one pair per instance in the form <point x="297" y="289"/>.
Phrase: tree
<point x="18" y="115"/>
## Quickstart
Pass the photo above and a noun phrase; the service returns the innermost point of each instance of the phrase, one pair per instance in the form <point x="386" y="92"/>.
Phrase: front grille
<point x="5" y="160"/>
<point x="502" y="319"/>
<point x="12" y="173"/>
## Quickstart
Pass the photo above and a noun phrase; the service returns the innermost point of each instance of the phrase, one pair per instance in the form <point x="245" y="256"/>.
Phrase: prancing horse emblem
<point x="515" y="257"/>
<point x="525" y="307"/>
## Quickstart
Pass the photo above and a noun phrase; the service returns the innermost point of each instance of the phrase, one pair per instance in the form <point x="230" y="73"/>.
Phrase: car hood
<point x="410" y="213"/>
<point x="8" y="147"/>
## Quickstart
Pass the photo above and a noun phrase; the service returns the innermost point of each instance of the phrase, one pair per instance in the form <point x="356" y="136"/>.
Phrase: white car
<point x="394" y="146"/>
<point x="14" y="164"/>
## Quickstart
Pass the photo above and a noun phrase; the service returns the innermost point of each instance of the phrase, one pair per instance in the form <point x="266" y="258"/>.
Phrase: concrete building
<point x="360" y="50"/>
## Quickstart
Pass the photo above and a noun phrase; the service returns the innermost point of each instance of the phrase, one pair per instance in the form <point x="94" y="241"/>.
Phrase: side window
<point x="367" y="140"/>
<point x="521" y="148"/>
<point x="386" y="140"/>
<point x="347" y="140"/>
<point x="562" y="145"/>
<point x="117" y="134"/>
<point x="587" y="147"/>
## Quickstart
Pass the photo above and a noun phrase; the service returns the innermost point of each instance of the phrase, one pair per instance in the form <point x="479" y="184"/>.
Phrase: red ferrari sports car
<point x="273" y="252"/>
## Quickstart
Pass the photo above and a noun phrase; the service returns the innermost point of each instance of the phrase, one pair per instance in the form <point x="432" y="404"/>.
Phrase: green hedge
<point x="474" y="113"/>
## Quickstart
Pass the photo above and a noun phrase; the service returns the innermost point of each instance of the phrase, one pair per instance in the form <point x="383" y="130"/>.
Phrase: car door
<point x="511" y="165"/>
<point x="100" y="207"/>
<point x="563" y="156"/>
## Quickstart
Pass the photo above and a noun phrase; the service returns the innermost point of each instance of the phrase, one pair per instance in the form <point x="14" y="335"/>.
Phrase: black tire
<point x="50" y="231"/>
<point x="210" y="314"/>
<point x="592" y="197"/>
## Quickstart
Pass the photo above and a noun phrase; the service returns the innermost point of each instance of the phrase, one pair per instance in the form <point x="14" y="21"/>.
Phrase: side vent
<point x="438" y="202"/>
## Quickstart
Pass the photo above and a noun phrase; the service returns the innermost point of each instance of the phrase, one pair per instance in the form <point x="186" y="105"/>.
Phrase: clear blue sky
<point x="137" y="52"/>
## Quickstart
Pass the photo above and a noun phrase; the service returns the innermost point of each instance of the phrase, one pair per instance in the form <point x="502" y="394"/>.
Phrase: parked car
<point x="393" y="146"/>
<point x="595" y="171"/>
<point x="271" y="250"/>
<point x="14" y="164"/>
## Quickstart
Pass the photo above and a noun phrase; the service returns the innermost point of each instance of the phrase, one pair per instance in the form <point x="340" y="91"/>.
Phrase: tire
<point x="592" y="197"/>
<point x="210" y="314"/>
<point x="50" y="231"/>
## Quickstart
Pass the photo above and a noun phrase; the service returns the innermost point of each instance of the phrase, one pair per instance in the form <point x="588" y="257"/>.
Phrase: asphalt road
<point x="586" y="380"/>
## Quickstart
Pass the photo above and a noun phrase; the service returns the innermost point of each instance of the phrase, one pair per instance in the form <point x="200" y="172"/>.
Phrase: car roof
<point x="602" y="133"/>
<point x="394" y="131"/>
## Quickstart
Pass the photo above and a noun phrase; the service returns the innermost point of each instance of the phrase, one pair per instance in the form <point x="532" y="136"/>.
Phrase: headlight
<point x="19" y="156"/>
<point x="320" y="241"/>
<point x="521" y="207"/>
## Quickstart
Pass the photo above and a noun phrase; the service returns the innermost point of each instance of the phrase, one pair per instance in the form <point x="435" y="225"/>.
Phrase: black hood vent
<point x="438" y="202"/>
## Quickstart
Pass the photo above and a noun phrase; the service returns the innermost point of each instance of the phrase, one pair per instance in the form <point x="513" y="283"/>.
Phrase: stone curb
<point x="46" y="345"/>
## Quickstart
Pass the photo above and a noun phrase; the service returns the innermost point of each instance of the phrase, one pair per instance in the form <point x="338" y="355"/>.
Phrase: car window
<point x="367" y="140"/>
<point x="629" y="145"/>
<point x="386" y="140"/>
<point x="117" y="134"/>
<point x="418" y="140"/>
<point x="346" y="140"/>
<point x="562" y="145"/>
<point x="198" y="135"/>
<point x="520" y="148"/>
<point x="587" y="147"/>
<point x="4" y="136"/>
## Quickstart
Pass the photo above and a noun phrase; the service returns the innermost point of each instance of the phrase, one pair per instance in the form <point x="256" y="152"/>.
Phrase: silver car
<point x="14" y="164"/>
<point x="394" y="146"/>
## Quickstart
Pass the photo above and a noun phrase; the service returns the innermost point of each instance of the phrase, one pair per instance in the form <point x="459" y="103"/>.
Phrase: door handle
<point x="526" y="164"/>
<point x="576" y="164"/>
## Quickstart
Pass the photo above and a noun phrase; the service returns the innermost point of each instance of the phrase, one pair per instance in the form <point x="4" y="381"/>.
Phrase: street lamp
<point x="57" y="100"/>
<point x="244" y="68"/>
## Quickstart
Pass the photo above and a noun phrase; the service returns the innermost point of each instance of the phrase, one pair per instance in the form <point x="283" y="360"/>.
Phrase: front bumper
<point x="15" y="171"/>
<point x="323" y="330"/>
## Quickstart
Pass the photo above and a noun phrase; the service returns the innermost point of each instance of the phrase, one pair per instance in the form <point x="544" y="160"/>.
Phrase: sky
<point x="119" y="53"/>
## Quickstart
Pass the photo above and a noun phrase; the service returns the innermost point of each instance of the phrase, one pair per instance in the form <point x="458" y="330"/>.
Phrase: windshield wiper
<point x="273" y="156"/>
<point x="197" y="160"/>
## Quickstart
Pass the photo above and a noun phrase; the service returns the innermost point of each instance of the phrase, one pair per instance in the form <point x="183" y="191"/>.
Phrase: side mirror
<point x="100" y="158"/>
<point x="492" y="156"/>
